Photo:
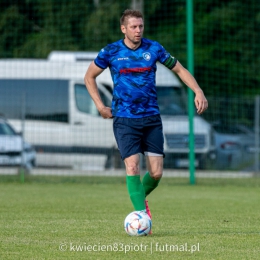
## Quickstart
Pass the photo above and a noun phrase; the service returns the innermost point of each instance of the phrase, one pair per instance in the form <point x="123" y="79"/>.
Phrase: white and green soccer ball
<point x="137" y="223"/>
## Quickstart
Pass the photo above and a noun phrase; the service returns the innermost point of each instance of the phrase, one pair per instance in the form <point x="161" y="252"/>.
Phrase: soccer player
<point x="136" y="117"/>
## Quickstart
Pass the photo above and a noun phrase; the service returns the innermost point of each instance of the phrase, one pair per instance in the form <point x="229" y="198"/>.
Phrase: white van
<point x="63" y="124"/>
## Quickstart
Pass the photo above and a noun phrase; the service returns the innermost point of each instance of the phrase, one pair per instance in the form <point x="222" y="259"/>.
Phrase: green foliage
<point x="101" y="28"/>
<point x="226" y="34"/>
<point x="226" y="42"/>
<point x="230" y="43"/>
<point x="14" y="28"/>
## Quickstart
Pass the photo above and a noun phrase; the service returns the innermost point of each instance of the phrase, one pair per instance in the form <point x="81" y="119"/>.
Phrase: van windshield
<point x="171" y="101"/>
<point x="5" y="129"/>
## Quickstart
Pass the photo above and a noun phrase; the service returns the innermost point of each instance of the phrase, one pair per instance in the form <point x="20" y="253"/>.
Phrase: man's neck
<point x="132" y="45"/>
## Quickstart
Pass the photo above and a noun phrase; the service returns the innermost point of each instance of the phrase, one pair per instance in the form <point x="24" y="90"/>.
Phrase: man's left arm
<point x="200" y="100"/>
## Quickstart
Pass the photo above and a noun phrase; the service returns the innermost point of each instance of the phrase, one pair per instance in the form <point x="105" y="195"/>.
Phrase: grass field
<point x="82" y="218"/>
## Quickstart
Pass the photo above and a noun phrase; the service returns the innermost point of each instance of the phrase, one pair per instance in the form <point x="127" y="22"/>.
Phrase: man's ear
<point x="123" y="29"/>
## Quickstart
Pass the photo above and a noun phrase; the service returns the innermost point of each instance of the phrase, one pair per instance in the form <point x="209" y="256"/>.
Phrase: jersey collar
<point x="130" y="48"/>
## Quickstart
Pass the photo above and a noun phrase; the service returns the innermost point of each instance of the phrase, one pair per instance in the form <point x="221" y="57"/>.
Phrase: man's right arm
<point x="90" y="82"/>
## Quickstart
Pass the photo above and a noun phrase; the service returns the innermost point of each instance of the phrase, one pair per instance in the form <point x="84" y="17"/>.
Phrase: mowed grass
<point x="82" y="218"/>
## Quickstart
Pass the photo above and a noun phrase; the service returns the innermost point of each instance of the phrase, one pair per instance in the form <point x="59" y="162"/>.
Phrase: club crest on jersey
<point x="147" y="56"/>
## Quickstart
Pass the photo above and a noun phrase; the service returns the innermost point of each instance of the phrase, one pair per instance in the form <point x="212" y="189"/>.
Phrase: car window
<point x="84" y="101"/>
<point x="5" y="129"/>
<point x="170" y="101"/>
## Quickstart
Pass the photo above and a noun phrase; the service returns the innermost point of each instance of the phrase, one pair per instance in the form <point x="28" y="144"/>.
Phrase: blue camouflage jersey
<point x="133" y="74"/>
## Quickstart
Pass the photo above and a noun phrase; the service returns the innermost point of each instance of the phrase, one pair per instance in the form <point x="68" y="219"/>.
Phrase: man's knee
<point x="157" y="175"/>
<point x="132" y="169"/>
<point x="132" y="165"/>
<point x="155" y="166"/>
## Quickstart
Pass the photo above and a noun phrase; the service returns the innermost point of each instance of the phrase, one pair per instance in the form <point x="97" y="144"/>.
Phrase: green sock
<point x="136" y="191"/>
<point x="149" y="183"/>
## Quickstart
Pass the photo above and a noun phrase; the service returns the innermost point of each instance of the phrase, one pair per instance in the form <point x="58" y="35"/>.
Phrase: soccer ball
<point x="137" y="223"/>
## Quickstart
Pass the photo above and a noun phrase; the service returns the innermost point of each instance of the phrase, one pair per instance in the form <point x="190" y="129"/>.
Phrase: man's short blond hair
<point x="128" y="13"/>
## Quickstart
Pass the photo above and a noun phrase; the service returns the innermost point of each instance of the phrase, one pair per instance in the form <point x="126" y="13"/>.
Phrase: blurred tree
<point x="14" y="28"/>
<point x="226" y="40"/>
<point x="226" y="34"/>
<point x="103" y="25"/>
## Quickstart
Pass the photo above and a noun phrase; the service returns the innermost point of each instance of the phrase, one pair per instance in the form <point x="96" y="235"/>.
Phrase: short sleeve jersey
<point x="133" y="73"/>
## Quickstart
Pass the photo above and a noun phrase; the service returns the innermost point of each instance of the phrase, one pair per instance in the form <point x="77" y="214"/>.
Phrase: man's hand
<point x="105" y="112"/>
<point x="201" y="102"/>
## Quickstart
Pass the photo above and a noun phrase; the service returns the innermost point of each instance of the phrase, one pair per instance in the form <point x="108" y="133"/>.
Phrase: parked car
<point x="234" y="146"/>
<point x="14" y="151"/>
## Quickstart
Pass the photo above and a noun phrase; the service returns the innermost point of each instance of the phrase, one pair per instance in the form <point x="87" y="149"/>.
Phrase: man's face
<point x="133" y="30"/>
